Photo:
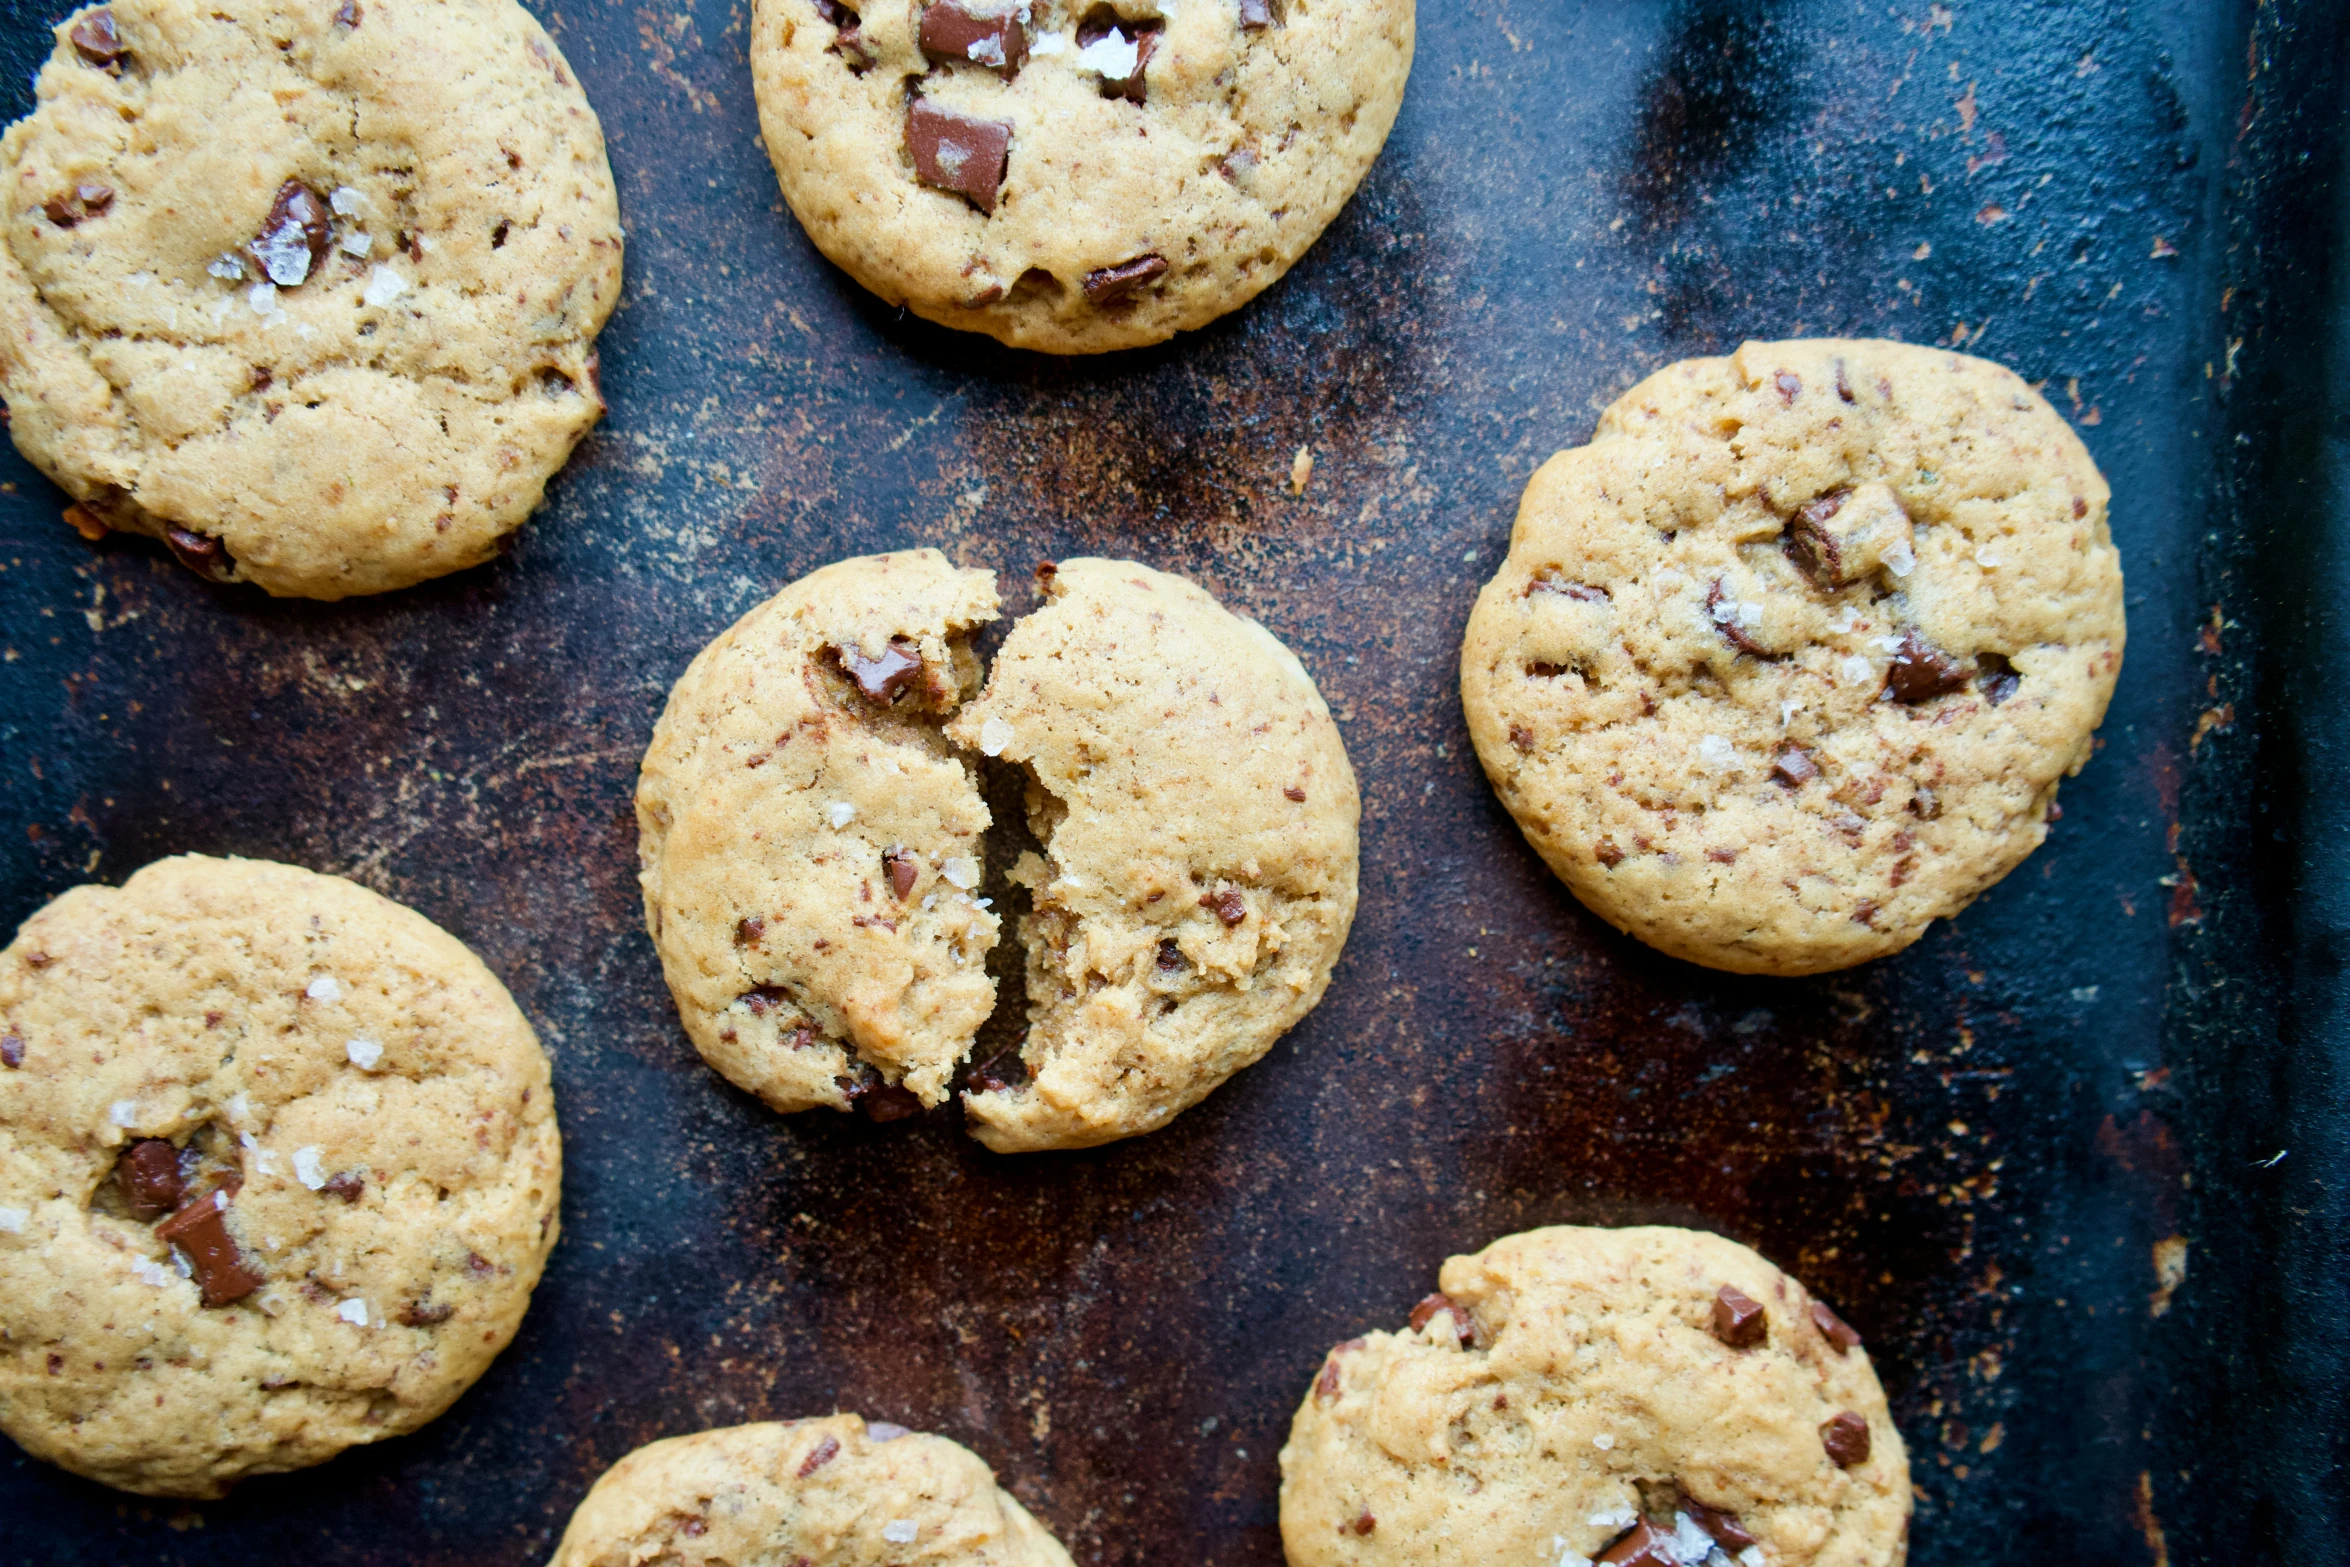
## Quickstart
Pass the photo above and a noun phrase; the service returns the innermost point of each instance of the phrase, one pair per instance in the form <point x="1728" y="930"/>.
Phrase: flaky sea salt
<point x="1856" y="671"/>
<point x="884" y="1431"/>
<point x="307" y="1169"/>
<point x="151" y="1273"/>
<point x="13" y="1220"/>
<point x="1113" y="54"/>
<point x="1047" y="43"/>
<point x="226" y="268"/>
<point x="356" y="243"/>
<point x="1604" y="1441"/>
<point x="1900" y="559"/>
<point x="346" y="201"/>
<point x="840" y="813"/>
<point x="899" y="1531"/>
<point x="363" y="1053"/>
<point x="262" y="297"/>
<point x="263" y="1161"/>
<point x="353" y="1311"/>
<point x="994" y="736"/>
<point x="123" y="1112"/>
<point x="1717" y="753"/>
<point x="1618" y="1517"/>
<point x="383" y="286"/>
<point x="1986" y="559"/>
<point x="324" y="988"/>
<point x="962" y="871"/>
<point x="1692" y="1542"/>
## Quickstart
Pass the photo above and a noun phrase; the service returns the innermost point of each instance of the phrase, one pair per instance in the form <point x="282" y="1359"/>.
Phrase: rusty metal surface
<point x="1980" y="1150"/>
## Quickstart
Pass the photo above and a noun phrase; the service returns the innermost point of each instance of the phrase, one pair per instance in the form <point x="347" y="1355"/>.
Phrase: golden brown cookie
<point x="1641" y="1396"/>
<point x="278" y="1172"/>
<point x="1789" y="661"/>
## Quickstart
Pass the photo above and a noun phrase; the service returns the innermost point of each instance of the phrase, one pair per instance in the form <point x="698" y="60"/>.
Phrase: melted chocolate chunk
<point x="425" y="1314"/>
<point x="200" y="1231"/>
<point x="1642" y="1545"/>
<point x="1001" y="1075"/>
<point x="822" y="1453"/>
<point x="884" y="677"/>
<point x="993" y="33"/>
<point x="1810" y="544"/>
<point x="96" y="40"/>
<point x="1229" y="905"/>
<point x="1996" y="678"/>
<point x="1107" y="286"/>
<point x="346" y="1184"/>
<point x="11" y="1050"/>
<point x="765" y="999"/>
<point x="294" y="238"/>
<point x="1256" y="15"/>
<point x="1727" y="1531"/>
<point x="849" y="42"/>
<point x="1364" y="1523"/>
<point x="749" y="931"/>
<point x="1293" y="792"/>
<point x="1738" y="1318"/>
<point x="1794" y="767"/>
<point x="1722" y="609"/>
<point x="1834" y="1329"/>
<point x="83" y="201"/>
<point x="1170" y="956"/>
<point x="1921" y="671"/>
<point x="903" y="869"/>
<point x="153" y="1181"/>
<point x="958" y="152"/>
<point x="1142" y="37"/>
<point x="1428" y="1308"/>
<point x="1846" y="1437"/>
<point x="201" y="553"/>
<point x="1843" y="382"/>
<point x="878" y="1100"/>
<point x="1582" y="592"/>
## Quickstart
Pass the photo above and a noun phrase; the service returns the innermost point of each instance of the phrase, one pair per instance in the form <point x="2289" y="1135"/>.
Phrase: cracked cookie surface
<point x="278" y="1172"/>
<point x="834" y="1492"/>
<point x="1646" y="1395"/>
<point x="309" y="292"/>
<point x="1069" y="177"/>
<point x="1789" y="661"/>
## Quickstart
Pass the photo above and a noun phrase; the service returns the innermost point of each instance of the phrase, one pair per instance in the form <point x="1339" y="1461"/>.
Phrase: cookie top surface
<point x="834" y="1492"/>
<point x="1789" y="661"/>
<point x="1074" y="178"/>
<point x="315" y="285"/>
<point x="363" y="1092"/>
<point x="1199" y="823"/>
<point x="1570" y="1386"/>
<point x="810" y="847"/>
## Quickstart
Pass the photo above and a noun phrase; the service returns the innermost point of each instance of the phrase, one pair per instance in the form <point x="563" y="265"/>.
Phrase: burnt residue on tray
<point x="2031" y="1160"/>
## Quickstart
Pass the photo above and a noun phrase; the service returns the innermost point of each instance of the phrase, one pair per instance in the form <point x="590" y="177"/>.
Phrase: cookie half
<point x="1074" y="177"/>
<point x="1789" y="661"/>
<point x="278" y="1173"/>
<point x="1650" y="1395"/>
<point x="1199" y="827"/>
<point x="309" y="292"/>
<point x="836" y="1492"/>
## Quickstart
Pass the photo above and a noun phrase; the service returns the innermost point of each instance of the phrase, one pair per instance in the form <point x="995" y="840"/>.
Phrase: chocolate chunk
<point x="880" y="1101"/>
<point x="1726" y="615"/>
<point x="1846" y="1437"/>
<point x="1845" y="535"/>
<point x="822" y="1453"/>
<point x="1606" y="852"/>
<point x="1428" y="1308"/>
<point x="958" y="152"/>
<point x="152" y="1181"/>
<point x="1582" y="592"/>
<point x="1794" y="767"/>
<point x="11" y="1050"/>
<point x="1107" y="286"/>
<point x="1834" y="1329"/>
<point x="346" y="1184"/>
<point x="1293" y="792"/>
<point x="1119" y="50"/>
<point x="1790" y="386"/>
<point x="1921" y="671"/>
<point x="1642" y="1545"/>
<point x="1364" y="1523"/>
<point x="992" y="33"/>
<point x="295" y="237"/>
<point x="347" y="15"/>
<point x="1170" y="956"/>
<point x="201" y="553"/>
<point x="96" y="40"/>
<point x="1521" y="737"/>
<point x="1727" y="1531"/>
<point x="903" y="870"/>
<point x="1925" y="804"/>
<point x="200" y="1231"/>
<point x="1000" y="1075"/>
<point x="1843" y="382"/>
<point x="765" y="999"/>
<point x="83" y="201"/>
<point x="1996" y="678"/>
<point x="425" y="1314"/>
<point x="883" y="677"/>
<point x="849" y="39"/>
<point x="749" y="931"/>
<point x="1811" y="545"/>
<point x="1864" y="913"/>
<point x="1229" y="905"/>
<point x="1738" y="1318"/>
<point x="1256" y="15"/>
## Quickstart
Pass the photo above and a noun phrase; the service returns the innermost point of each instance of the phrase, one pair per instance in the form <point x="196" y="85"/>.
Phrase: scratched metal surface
<point x="1976" y="1149"/>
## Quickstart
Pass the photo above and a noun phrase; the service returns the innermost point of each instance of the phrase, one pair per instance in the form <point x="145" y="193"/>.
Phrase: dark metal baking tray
<point x="1977" y="1149"/>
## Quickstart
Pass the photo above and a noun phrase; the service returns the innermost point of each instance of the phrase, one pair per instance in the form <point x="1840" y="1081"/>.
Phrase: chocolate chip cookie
<point x="812" y="845"/>
<point x="835" y="1492"/>
<point x="1650" y="1396"/>
<point x="278" y="1172"/>
<point x="1070" y="176"/>
<point x="308" y="292"/>
<point x="1789" y="661"/>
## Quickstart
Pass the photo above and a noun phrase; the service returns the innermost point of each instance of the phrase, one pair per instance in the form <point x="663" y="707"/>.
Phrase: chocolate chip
<point x="849" y="39"/>
<point x="765" y="999"/>
<point x="346" y="1184"/>
<point x="1843" y="384"/>
<point x="295" y="237"/>
<point x="1810" y="544"/>
<point x="749" y="930"/>
<point x="347" y="15"/>
<point x="1925" y="804"/>
<point x="1229" y="905"/>
<point x="2080" y="508"/>
<point x="822" y="1453"/>
<point x="1583" y="592"/>
<point x="1364" y="1523"/>
<point x="985" y="32"/>
<point x="903" y="869"/>
<point x="1426" y="1312"/>
<point x="1727" y="1531"/>
<point x="883" y="677"/>
<point x="1722" y="856"/>
<point x="1725" y="614"/>
<point x="1996" y="678"/>
<point x="1107" y="286"/>
<point x="958" y="152"/>
<point x="424" y="1314"/>
<point x="1170" y="956"/>
<point x="200" y="1231"/>
<point x="1921" y="671"/>
<point x="1521" y="737"/>
<point x="1834" y="1329"/>
<point x="1642" y="1545"/>
<point x="152" y="1181"/>
<point x="880" y="1101"/>
<point x="1256" y="15"/>
<point x="95" y="39"/>
<point x="1846" y="1437"/>
<point x="1141" y="37"/>
<point x="1293" y="792"/>
<point x="83" y="201"/>
<point x="1864" y="913"/>
<point x="11" y="1050"/>
<point x="1738" y="1318"/>
<point x="201" y="553"/>
<point x="1001" y="1075"/>
<point x="1790" y="386"/>
<point x="1794" y="767"/>
<point x="1606" y="852"/>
